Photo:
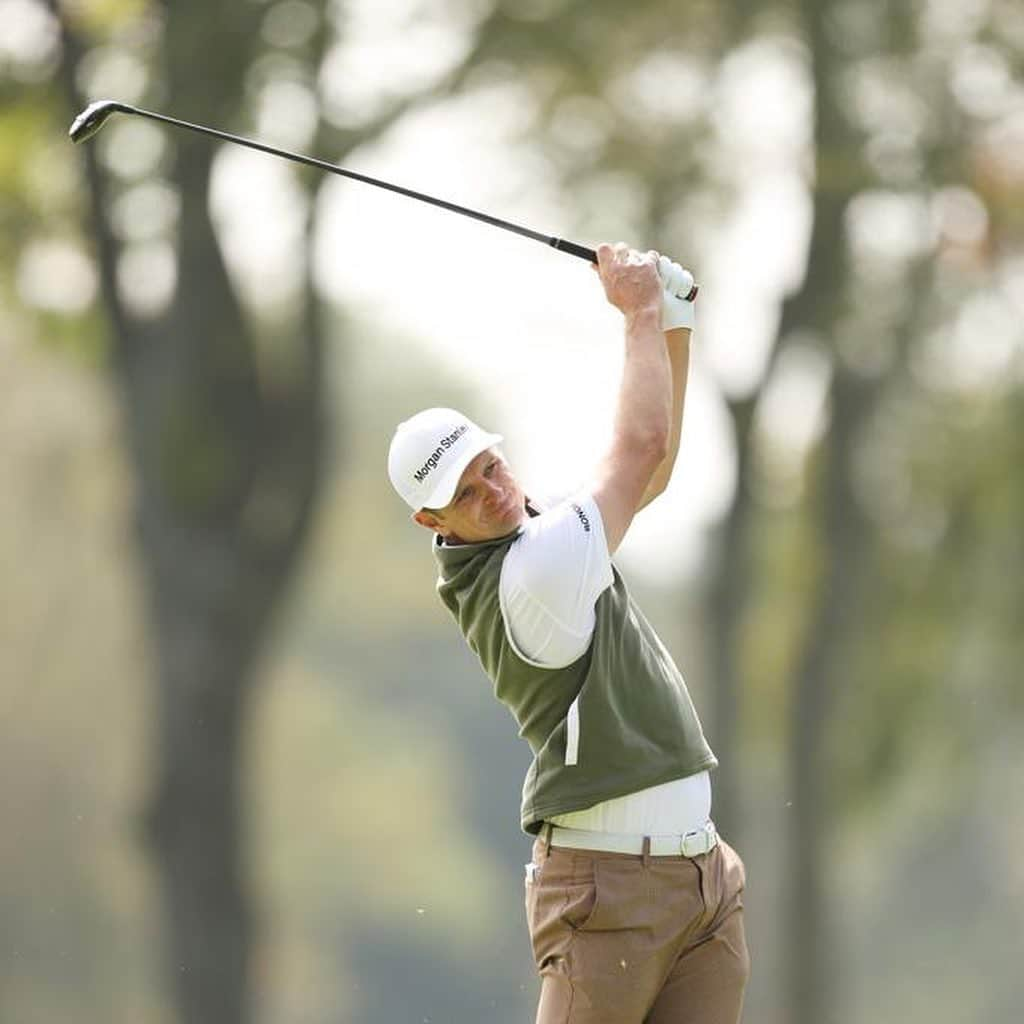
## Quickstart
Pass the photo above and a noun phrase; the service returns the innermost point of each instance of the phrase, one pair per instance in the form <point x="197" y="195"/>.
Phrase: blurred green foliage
<point x="380" y="779"/>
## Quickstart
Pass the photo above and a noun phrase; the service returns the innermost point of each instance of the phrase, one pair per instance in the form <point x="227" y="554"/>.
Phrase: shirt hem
<point x="539" y="813"/>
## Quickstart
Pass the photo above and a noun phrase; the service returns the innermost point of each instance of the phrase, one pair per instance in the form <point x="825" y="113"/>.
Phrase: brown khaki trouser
<point x="631" y="939"/>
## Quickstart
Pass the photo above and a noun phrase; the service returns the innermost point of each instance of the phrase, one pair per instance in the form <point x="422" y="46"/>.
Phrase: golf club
<point x="92" y="119"/>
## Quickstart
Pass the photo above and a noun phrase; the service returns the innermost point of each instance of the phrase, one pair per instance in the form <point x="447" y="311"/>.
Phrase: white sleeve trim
<point x="551" y="578"/>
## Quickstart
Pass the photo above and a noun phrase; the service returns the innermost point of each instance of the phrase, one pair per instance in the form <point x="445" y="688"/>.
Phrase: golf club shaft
<point x="92" y="119"/>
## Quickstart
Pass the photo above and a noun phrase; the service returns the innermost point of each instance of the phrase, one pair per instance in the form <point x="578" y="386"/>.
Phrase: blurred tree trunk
<point x="844" y="544"/>
<point x="226" y="469"/>
<point x="730" y="586"/>
<point x="842" y="539"/>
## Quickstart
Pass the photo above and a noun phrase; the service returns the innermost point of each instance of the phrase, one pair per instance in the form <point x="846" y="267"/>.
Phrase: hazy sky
<point x="531" y="326"/>
<point x="527" y="326"/>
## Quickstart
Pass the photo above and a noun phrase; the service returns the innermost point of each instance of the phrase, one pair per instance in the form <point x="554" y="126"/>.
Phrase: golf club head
<point x="92" y="119"/>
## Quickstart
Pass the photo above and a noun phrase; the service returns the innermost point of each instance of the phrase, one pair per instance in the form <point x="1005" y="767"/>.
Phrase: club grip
<point x="563" y="245"/>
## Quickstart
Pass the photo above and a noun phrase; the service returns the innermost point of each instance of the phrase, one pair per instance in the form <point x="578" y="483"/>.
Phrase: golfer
<point x="634" y="902"/>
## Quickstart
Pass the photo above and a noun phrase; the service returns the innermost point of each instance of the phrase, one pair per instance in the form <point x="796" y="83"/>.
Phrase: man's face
<point x="488" y="504"/>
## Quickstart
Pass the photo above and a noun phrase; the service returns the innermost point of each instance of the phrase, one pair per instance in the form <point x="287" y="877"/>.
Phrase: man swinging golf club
<point x="633" y="901"/>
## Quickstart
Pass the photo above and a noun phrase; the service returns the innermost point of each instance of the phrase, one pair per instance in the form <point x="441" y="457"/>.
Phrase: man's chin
<point x="504" y="526"/>
<point x="515" y="518"/>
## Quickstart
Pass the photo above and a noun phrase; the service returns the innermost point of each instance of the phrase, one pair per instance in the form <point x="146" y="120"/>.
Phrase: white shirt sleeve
<point x="551" y="577"/>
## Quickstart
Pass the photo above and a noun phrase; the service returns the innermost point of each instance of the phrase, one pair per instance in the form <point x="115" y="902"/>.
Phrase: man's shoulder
<point x="557" y="545"/>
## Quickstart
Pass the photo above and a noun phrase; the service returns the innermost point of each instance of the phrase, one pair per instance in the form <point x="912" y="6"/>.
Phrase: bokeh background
<point x="248" y="770"/>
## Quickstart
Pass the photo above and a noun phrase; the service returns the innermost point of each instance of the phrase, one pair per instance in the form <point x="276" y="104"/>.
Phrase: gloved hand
<point x="676" y="283"/>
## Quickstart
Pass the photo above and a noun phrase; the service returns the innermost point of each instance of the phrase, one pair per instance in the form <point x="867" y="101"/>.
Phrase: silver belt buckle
<point x="698" y="841"/>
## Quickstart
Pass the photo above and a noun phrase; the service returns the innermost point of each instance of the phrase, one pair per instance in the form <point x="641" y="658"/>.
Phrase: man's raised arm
<point x="641" y="437"/>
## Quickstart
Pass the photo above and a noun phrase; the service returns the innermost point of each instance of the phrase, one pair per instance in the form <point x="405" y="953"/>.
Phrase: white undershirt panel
<point x="551" y="578"/>
<point x="673" y="808"/>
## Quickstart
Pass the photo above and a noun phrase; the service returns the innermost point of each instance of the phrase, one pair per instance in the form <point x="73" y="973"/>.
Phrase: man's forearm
<point x="677" y="345"/>
<point x="645" y="407"/>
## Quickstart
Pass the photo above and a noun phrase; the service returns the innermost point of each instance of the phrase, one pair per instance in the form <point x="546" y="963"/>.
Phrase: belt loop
<point x="647" y="852"/>
<point x="546" y="837"/>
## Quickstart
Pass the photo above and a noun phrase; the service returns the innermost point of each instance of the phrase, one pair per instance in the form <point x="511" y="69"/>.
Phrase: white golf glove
<point x="676" y="283"/>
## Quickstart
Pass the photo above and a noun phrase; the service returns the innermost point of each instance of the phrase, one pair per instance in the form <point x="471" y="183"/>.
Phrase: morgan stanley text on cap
<point x="429" y="452"/>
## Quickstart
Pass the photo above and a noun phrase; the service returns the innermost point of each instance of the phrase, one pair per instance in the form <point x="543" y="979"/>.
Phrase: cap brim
<point x="445" y="488"/>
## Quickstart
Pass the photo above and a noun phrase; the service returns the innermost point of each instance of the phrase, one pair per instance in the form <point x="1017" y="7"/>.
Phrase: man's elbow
<point x="656" y="486"/>
<point x="652" y="446"/>
<point x="662" y="457"/>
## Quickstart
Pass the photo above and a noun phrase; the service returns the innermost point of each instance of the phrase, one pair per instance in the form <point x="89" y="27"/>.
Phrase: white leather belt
<point x="687" y="844"/>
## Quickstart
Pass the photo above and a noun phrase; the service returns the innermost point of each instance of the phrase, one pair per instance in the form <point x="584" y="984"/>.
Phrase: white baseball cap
<point x="429" y="452"/>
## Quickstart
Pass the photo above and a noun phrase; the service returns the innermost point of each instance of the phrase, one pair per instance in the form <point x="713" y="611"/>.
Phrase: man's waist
<point x="672" y="808"/>
<point x="692" y="843"/>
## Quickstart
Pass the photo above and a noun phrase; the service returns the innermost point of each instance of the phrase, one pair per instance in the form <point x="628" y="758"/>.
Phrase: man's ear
<point x="427" y="519"/>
